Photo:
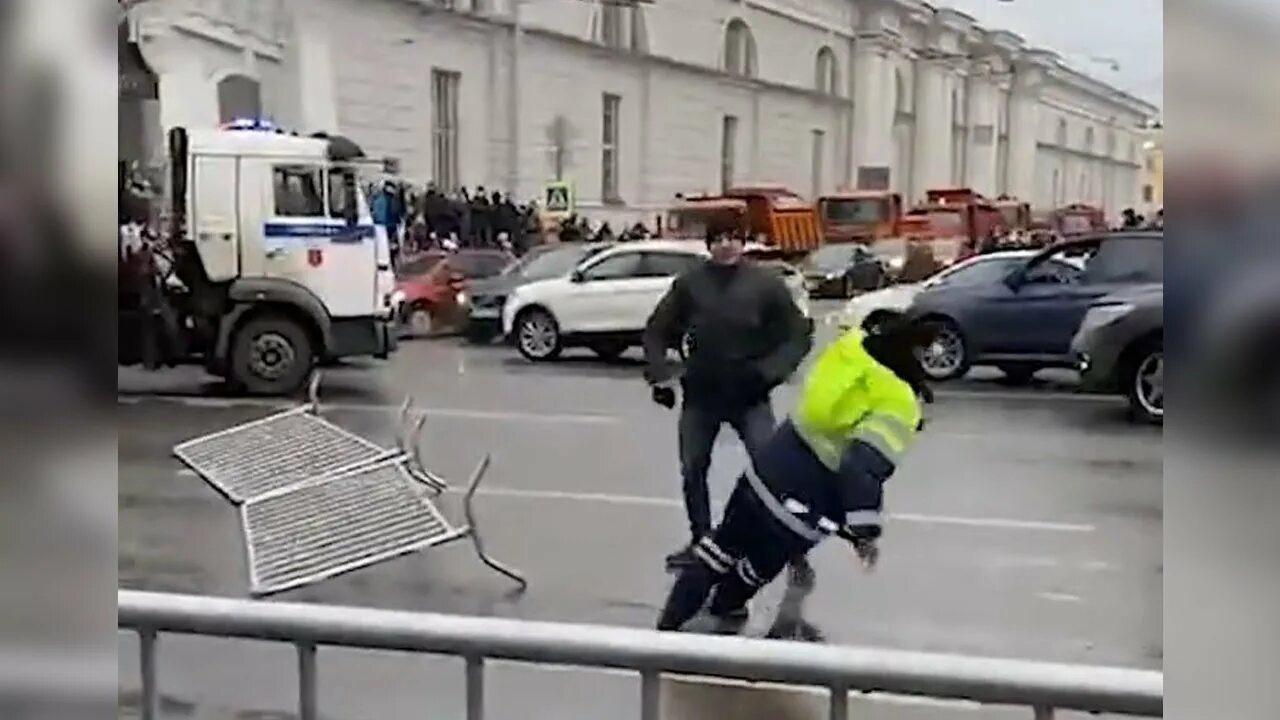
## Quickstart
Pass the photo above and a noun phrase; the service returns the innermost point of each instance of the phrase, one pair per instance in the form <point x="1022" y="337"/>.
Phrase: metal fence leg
<point x="839" y="709"/>
<point x="308" y="702"/>
<point x="1043" y="713"/>
<point x="475" y="687"/>
<point x="476" y="541"/>
<point x="147" y="663"/>
<point x="313" y="393"/>
<point x="650" y="694"/>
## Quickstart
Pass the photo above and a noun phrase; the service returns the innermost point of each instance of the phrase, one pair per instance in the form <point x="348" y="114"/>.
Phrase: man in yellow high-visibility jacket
<point x="820" y="474"/>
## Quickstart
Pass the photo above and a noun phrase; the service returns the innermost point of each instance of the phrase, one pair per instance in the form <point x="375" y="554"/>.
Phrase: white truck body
<point x="242" y="229"/>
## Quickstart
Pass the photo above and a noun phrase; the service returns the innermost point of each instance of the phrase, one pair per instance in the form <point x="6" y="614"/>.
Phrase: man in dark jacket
<point x="743" y="336"/>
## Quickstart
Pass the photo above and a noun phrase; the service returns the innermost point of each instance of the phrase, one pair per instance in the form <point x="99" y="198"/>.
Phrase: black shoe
<point x="682" y="558"/>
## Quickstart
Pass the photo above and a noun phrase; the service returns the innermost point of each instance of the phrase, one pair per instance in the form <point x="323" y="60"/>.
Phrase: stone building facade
<point x="635" y="104"/>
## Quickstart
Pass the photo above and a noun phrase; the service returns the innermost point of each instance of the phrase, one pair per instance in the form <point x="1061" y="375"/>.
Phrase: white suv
<point x="603" y="304"/>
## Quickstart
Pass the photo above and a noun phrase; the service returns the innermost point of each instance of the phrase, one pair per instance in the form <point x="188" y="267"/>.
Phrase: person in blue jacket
<point x="821" y="473"/>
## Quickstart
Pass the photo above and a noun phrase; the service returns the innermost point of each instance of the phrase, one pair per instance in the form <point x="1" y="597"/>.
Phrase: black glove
<point x="664" y="396"/>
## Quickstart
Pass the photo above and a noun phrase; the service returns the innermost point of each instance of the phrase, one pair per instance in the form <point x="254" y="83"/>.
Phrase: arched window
<point x="239" y="97"/>
<point x="826" y="76"/>
<point x="739" y="49"/>
<point x="1060" y="138"/>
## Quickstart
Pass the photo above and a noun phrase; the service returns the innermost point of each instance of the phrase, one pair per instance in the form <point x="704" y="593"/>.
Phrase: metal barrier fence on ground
<point x="1041" y="687"/>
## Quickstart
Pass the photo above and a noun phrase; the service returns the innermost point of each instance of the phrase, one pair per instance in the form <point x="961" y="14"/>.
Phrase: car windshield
<point x="830" y="256"/>
<point x="474" y="266"/>
<point x="418" y="266"/>
<point x="551" y="262"/>
<point x="854" y="211"/>
<point x="978" y="272"/>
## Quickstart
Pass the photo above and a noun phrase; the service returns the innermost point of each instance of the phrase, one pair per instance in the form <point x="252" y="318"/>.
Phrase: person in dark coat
<point x="742" y="335"/>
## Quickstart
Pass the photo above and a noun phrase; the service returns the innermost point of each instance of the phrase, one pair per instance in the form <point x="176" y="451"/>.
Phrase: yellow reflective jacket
<point x="848" y="396"/>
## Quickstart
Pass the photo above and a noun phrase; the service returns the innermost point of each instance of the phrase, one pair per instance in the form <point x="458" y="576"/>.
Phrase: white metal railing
<point x="1043" y="687"/>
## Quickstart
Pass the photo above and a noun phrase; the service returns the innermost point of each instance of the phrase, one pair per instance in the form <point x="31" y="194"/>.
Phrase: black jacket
<point x="746" y="334"/>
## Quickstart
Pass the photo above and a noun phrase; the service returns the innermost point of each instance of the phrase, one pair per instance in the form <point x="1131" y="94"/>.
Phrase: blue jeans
<point x="698" y="428"/>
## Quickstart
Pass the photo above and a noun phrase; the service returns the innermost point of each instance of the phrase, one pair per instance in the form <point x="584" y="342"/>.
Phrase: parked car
<point x="1119" y="347"/>
<point x="842" y="269"/>
<point x="431" y="287"/>
<point x="486" y="297"/>
<point x="603" y="304"/>
<point x="867" y="309"/>
<point x="1021" y="316"/>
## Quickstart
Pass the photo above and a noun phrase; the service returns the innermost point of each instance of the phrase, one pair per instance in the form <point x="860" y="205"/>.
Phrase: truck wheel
<point x="271" y="355"/>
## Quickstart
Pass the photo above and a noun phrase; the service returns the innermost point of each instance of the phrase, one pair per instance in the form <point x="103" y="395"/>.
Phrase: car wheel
<point x="538" y="335"/>
<point x="947" y="356"/>
<point x="609" y="350"/>
<point x="1019" y="373"/>
<point x="271" y="355"/>
<point x="1145" y="384"/>
<point x="418" y="321"/>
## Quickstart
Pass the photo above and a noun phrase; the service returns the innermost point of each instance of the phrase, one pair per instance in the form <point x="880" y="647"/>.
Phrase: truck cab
<point x="276" y="262"/>
<point x="770" y="215"/>
<point x="961" y="221"/>
<point x="860" y="215"/>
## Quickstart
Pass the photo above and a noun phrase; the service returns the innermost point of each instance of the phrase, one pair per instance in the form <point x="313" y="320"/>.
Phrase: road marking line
<point x="650" y="501"/>
<point x="1060" y="597"/>
<point x="1028" y="395"/>
<point x="458" y="413"/>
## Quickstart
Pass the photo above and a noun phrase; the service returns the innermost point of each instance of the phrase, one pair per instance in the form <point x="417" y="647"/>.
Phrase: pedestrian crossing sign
<point x="558" y="199"/>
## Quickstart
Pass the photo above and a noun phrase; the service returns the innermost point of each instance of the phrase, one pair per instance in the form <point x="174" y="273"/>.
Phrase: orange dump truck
<point x="771" y="215"/>
<point x="1078" y="219"/>
<point x="961" y="221"/>
<point x="876" y="218"/>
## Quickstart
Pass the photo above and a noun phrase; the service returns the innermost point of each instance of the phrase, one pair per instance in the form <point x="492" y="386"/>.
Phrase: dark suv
<point x="1021" y="317"/>
<point x="1120" y="348"/>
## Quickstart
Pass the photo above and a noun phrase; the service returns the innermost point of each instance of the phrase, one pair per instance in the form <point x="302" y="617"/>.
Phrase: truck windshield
<point x="1075" y="224"/>
<point x="861" y="211"/>
<point x="946" y="223"/>
<point x="694" y="223"/>
<point x="1010" y="215"/>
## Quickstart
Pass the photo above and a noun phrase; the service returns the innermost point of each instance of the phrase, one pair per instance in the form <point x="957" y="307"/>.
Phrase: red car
<point x="431" y="286"/>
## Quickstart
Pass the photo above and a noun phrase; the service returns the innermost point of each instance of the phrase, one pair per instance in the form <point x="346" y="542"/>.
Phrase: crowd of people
<point x="432" y="219"/>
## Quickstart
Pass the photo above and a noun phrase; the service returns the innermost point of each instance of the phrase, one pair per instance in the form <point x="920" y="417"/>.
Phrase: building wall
<point x="364" y="68"/>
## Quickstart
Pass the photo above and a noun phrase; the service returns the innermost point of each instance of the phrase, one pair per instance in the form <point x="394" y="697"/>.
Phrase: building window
<point x="1148" y="193"/>
<point x="609" y="148"/>
<point x="612" y="25"/>
<point x="444" y="128"/>
<point x="739" y="50"/>
<point x="1151" y="163"/>
<point x="959" y="137"/>
<point x="728" y="150"/>
<point x="819" y="149"/>
<point x="1061" y="137"/>
<point x="1088" y="140"/>
<point x="239" y="97"/>
<point x="826" y="76"/>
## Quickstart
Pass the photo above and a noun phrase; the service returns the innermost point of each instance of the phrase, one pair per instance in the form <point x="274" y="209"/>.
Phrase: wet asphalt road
<point x="1026" y="523"/>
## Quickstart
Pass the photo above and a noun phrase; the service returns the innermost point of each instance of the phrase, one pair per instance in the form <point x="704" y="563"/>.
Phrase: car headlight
<point x="1101" y="315"/>
<point x="397" y="299"/>
<point x="832" y="275"/>
<point x="461" y="298"/>
<point x="896" y="262"/>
